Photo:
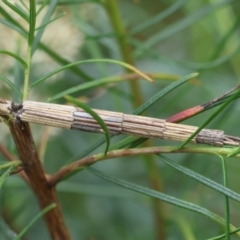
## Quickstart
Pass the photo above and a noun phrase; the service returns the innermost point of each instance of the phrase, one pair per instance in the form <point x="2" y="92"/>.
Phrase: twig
<point x="32" y="166"/>
<point x="80" y="164"/>
<point x="185" y="114"/>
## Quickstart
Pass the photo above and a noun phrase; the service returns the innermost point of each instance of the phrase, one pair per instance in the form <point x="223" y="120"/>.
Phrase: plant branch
<point x="193" y="111"/>
<point x="80" y="164"/>
<point x="45" y="194"/>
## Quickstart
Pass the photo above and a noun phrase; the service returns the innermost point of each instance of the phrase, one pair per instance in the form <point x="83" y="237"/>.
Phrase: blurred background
<point x="169" y="39"/>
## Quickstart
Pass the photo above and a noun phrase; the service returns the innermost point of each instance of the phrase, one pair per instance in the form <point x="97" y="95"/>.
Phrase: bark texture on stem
<point x="45" y="194"/>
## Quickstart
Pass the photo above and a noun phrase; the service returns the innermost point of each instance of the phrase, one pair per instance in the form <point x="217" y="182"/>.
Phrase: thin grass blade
<point x="54" y="55"/>
<point x="190" y="65"/>
<point x="158" y="18"/>
<point x="4" y="176"/>
<point x="9" y="164"/>
<point x="69" y="2"/>
<point x="89" y="85"/>
<point x="32" y="22"/>
<point x="223" y="42"/>
<point x="128" y="66"/>
<point x="223" y="236"/>
<point x="39" y="215"/>
<point x="158" y="195"/>
<point x="162" y="93"/>
<point x="24" y="64"/>
<point x="61" y="60"/>
<point x="11" y="85"/>
<point x="227" y="207"/>
<point x="206" y="181"/>
<point x="50" y="21"/>
<point x="17" y="10"/>
<point x="46" y="19"/>
<point x="13" y="26"/>
<point x="180" y="25"/>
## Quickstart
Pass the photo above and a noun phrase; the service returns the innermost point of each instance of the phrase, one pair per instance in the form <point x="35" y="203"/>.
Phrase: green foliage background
<point x="168" y="38"/>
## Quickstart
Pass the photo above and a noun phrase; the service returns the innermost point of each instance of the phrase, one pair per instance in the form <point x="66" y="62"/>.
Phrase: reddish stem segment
<point x="190" y="112"/>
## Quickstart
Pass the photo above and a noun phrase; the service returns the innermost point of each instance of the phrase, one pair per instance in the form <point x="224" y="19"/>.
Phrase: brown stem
<point x="45" y="194"/>
<point x="77" y="165"/>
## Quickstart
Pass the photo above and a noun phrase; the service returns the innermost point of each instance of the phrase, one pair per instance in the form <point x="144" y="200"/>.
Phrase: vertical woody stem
<point x="45" y="194"/>
<point x="154" y="176"/>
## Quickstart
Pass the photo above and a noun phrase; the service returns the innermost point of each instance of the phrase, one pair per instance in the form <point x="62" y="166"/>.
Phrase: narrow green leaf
<point x="50" y="21"/>
<point x="211" y="64"/>
<point x="51" y="8"/>
<point x="16" y="26"/>
<point x="128" y="66"/>
<point x="180" y="25"/>
<point x="13" y="26"/>
<point x="9" y="164"/>
<point x="95" y="116"/>
<point x="69" y="2"/>
<point x="206" y="181"/>
<point x="223" y="42"/>
<point x="95" y="38"/>
<point x="24" y="5"/>
<point x="24" y="64"/>
<point x="185" y="227"/>
<point x="17" y="10"/>
<point x="95" y="190"/>
<point x="87" y="151"/>
<point x="39" y="215"/>
<point x="190" y="65"/>
<point x="32" y="22"/>
<point x="163" y="92"/>
<point x="129" y="142"/>
<point x="17" y="74"/>
<point x="224" y="235"/>
<point x="61" y="60"/>
<point x="6" y="231"/>
<point x="11" y="85"/>
<point x="31" y="32"/>
<point x="87" y="86"/>
<point x="158" y="18"/>
<point x="227" y="210"/>
<point x="4" y="176"/>
<point x="43" y="5"/>
<point x="234" y="152"/>
<point x="158" y="195"/>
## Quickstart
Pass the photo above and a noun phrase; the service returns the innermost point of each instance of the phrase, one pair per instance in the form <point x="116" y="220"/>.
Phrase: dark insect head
<point x="16" y="109"/>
